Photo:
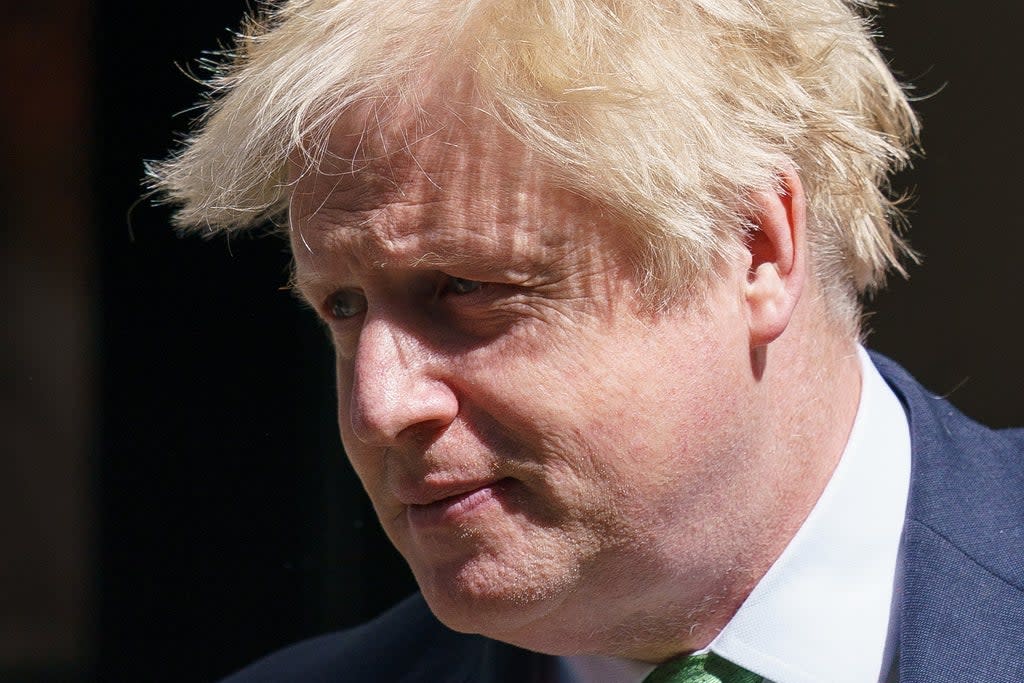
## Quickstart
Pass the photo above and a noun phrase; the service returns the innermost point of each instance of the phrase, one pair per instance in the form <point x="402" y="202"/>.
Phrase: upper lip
<point x="424" y="493"/>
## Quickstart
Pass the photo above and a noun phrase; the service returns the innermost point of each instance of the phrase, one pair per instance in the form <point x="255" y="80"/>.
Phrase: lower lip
<point x="455" y="509"/>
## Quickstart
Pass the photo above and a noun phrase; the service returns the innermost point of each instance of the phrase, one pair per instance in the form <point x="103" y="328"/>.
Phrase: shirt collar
<point x="821" y="612"/>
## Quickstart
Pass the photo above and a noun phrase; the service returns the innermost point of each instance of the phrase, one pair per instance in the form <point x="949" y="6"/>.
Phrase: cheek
<point x="649" y="404"/>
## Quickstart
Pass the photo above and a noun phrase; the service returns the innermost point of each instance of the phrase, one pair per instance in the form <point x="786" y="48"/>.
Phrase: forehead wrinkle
<point x="484" y="209"/>
<point x="383" y="240"/>
<point x="508" y="235"/>
<point x="450" y="194"/>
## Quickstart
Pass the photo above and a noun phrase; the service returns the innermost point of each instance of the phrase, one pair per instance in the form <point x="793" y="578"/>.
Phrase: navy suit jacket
<point x="959" y="613"/>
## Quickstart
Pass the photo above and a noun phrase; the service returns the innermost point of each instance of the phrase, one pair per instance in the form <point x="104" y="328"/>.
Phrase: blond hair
<point x="668" y="112"/>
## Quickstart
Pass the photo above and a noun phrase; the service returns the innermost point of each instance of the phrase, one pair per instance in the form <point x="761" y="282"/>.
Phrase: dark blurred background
<point x="174" y="501"/>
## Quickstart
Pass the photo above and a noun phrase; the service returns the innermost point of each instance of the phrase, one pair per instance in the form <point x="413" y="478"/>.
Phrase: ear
<point x="778" y="259"/>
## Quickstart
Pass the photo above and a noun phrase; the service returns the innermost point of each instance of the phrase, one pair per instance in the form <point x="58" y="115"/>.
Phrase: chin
<point x="497" y="599"/>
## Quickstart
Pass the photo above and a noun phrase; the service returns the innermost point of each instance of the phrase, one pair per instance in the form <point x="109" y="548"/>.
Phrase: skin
<point x="562" y="468"/>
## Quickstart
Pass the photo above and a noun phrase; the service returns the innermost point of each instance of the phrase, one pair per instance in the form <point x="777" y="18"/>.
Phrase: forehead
<point x="437" y="184"/>
<point x="373" y="160"/>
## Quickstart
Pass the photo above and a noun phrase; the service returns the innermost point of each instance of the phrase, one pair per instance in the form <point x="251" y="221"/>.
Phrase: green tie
<point x="707" y="668"/>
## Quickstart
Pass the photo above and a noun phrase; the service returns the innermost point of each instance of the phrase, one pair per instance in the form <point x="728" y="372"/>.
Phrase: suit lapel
<point x="961" y="612"/>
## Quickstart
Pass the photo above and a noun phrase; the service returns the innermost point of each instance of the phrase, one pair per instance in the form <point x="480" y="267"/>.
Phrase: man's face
<point x="536" y="443"/>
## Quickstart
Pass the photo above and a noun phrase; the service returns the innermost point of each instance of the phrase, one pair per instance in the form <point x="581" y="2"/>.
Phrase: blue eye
<point x="346" y="304"/>
<point x="458" y="285"/>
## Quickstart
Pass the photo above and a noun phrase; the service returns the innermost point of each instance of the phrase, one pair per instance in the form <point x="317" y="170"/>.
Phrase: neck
<point x="809" y="380"/>
<point x="806" y="395"/>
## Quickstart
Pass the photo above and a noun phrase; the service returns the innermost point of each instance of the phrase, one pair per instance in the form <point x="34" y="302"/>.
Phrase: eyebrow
<point x="474" y="264"/>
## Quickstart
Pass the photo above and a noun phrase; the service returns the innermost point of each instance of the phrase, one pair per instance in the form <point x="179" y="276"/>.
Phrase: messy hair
<point x="669" y="112"/>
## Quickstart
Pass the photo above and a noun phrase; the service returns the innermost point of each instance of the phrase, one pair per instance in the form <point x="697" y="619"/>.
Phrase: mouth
<point x="465" y="501"/>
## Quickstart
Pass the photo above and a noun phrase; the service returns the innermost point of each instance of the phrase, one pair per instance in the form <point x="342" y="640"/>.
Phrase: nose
<point x="397" y="388"/>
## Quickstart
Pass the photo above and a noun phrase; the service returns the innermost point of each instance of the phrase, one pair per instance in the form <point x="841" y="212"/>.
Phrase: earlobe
<point x="778" y="258"/>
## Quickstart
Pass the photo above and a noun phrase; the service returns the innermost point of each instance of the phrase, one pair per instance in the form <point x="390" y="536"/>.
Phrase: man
<point x="592" y="271"/>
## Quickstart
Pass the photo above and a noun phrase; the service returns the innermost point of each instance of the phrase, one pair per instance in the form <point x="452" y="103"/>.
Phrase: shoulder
<point x="962" y="579"/>
<point x="968" y="480"/>
<point x="945" y="437"/>
<point x="406" y="643"/>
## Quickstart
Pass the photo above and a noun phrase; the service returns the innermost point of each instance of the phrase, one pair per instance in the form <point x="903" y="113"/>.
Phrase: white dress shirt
<point x="821" y="613"/>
